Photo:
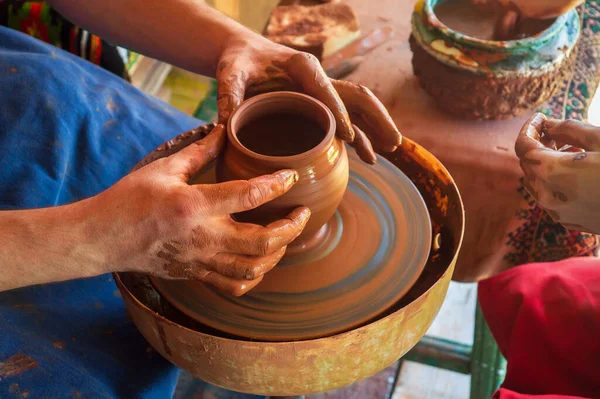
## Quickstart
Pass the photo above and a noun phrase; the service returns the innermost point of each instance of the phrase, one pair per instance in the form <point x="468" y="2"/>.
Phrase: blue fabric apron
<point x="69" y="130"/>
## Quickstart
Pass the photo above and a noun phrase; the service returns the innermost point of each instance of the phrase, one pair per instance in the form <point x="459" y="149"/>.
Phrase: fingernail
<point x="218" y="128"/>
<point x="305" y="215"/>
<point x="399" y="141"/>
<point x="289" y="176"/>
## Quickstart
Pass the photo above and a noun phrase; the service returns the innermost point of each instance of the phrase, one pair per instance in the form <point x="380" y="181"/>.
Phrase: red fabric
<point x="546" y="320"/>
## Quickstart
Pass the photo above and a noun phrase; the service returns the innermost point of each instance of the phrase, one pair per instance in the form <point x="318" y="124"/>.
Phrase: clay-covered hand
<point x="159" y="224"/>
<point x="561" y="162"/>
<point x="256" y="66"/>
<point x="539" y="9"/>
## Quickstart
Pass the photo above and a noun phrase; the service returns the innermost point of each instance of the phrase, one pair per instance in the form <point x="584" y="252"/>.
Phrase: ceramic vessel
<point x="310" y="366"/>
<point x="377" y="246"/>
<point x="323" y="169"/>
<point x="484" y="79"/>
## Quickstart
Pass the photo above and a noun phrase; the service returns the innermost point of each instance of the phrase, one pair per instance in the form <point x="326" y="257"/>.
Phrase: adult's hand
<point x="157" y="223"/>
<point x="561" y="162"/>
<point x="253" y="65"/>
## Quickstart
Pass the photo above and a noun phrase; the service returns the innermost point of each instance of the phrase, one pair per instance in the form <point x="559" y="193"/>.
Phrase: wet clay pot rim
<point x="235" y="124"/>
<point x="426" y="9"/>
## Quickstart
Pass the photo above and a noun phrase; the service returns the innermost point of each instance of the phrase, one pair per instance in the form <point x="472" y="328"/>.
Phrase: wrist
<point x="47" y="245"/>
<point x="80" y="241"/>
<point x="244" y="40"/>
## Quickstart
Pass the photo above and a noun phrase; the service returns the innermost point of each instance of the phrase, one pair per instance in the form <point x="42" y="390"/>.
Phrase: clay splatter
<point x="59" y="344"/>
<point x="16" y="365"/>
<point x="163" y="338"/>
<point x="14" y="388"/>
<point x="109" y="123"/>
<point x="110" y="105"/>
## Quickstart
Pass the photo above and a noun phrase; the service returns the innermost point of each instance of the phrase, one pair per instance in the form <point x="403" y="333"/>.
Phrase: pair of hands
<point x="561" y="162"/>
<point x="161" y="225"/>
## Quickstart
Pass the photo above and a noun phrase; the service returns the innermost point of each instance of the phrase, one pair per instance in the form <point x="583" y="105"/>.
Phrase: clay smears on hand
<point x="192" y="158"/>
<point x="380" y="126"/>
<point x="244" y="267"/>
<point x="306" y="70"/>
<point x="239" y="196"/>
<point x="231" y="90"/>
<point x="363" y="146"/>
<point x="229" y="285"/>
<point x="253" y="239"/>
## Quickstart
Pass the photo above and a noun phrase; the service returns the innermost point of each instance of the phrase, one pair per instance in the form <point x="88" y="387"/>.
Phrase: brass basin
<point x="306" y="367"/>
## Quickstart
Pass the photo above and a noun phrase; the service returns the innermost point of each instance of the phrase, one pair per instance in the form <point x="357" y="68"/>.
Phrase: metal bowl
<point x="312" y="366"/>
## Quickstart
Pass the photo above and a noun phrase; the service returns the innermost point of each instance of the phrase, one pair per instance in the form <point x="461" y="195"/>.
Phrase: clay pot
<point x="318" y="365"/>
<point x="323" y="169"/>
<point x="485" y="79"/>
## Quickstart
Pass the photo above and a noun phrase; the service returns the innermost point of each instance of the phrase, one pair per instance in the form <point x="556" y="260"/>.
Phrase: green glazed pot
<point x="484" y="79"/>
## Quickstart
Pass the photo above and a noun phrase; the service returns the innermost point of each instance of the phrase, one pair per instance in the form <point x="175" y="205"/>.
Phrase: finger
<point x="549" y="124"/>
<point x="197" y="155"/>
<point x="306" y="71"/>
<point x="268" y="86"/>
<point x="231" y="82"/>
<point x="361" y="101"/>
<point x="377" y="144"/>
<point x="251" y="239"/>
<point x="552" y="168"/>
<point x="575" y="133"/>
<point x="525" y="167"/>
<point x="363" y="146"/>
<point x="506" y="24"/>
<point x="530" y="135"/>
<point x="242" y="267"/>
<point x="229" y="285"/>
<point x="243" y="195"/>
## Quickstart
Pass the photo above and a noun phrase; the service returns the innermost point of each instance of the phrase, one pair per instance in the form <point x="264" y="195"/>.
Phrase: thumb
<point x="231" y="89"/>
<point x="197" y="155"/>
<point x="530" y="135"/>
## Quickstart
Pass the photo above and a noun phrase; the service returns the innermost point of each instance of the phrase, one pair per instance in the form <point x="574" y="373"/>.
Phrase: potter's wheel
<point x="374" y="250"/>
